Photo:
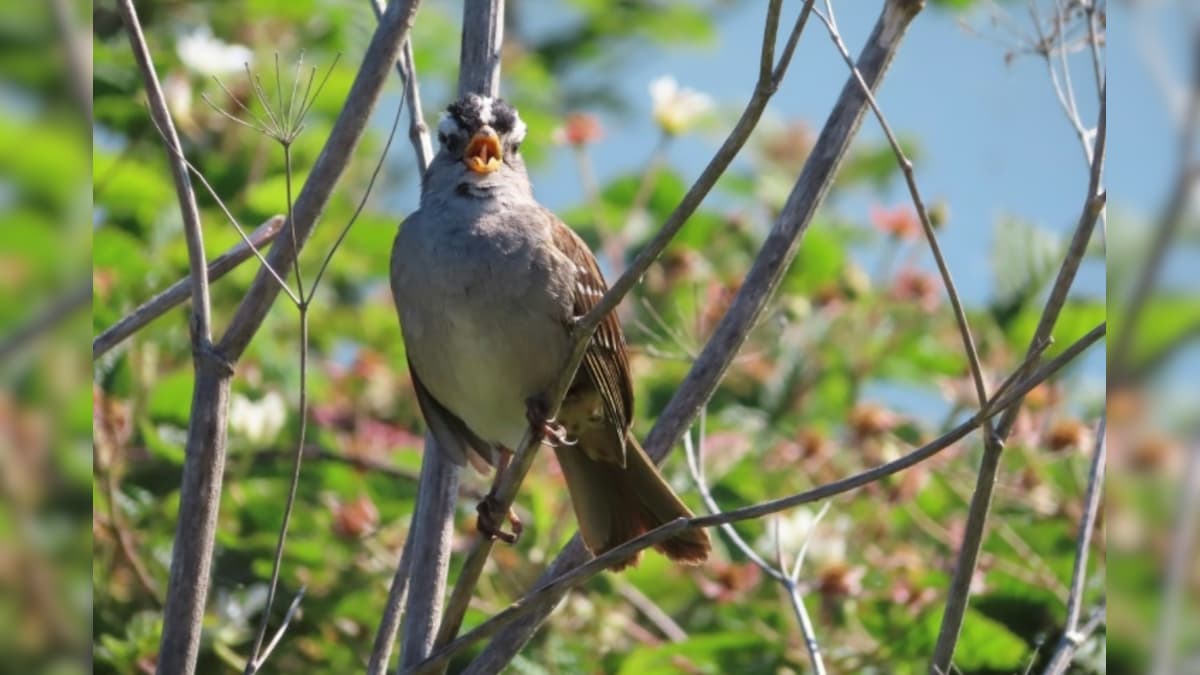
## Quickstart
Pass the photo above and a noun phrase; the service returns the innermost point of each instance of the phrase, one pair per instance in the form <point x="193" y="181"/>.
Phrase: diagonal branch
<point x="179" y="291"/>
<point x="547" y="593"/>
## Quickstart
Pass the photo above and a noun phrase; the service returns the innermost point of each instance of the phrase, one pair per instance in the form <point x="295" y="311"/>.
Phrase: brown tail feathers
<point x="615" y="504"/>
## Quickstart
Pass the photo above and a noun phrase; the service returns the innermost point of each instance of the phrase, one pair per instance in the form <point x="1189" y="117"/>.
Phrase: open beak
<point x="483" y="153"/>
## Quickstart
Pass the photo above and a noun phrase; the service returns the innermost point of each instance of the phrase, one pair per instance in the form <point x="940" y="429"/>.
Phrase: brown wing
<point x="605" y="362"/>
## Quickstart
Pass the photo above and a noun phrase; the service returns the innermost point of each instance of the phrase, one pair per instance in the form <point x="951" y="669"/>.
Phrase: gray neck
<point x="448" y="182"/>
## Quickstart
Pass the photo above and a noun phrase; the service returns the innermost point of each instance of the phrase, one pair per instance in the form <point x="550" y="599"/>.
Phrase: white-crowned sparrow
<point x="488" y="283"/>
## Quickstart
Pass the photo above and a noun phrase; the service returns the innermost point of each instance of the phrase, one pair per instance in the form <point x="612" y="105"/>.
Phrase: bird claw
<point x="555" y="435"/>
<point x="487" y="524"/>
<point x="552" y="433"/>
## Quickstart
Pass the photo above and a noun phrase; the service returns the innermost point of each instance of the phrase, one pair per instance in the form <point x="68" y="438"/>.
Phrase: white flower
<point x="676" y="109"/>
<point x="259" y="421"/>
<point x="207" y="55"/>
<point x="826" y="541"/>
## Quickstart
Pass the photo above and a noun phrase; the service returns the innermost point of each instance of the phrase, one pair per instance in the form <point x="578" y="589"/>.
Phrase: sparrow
<point x="488" y="285"/>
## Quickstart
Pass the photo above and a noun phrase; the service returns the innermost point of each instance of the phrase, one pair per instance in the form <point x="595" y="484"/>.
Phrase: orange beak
<point x="483" y="153"/>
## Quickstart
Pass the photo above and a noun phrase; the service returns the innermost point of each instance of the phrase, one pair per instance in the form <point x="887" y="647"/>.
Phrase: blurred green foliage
<point x="860" y="325"/>
<point x="45" y="413"/>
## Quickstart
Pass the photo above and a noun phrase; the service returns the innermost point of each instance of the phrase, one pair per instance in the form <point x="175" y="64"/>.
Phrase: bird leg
<point x="550" y="431"/>
<point x="487" y="521"/>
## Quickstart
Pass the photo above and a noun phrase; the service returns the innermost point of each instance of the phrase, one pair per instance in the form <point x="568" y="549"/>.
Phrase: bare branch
<point x="483" y="37"/>
<point x="77" y="47"/>
<point x="434" y="463"/>
<point x="1072" y="636"/>
<point x="283" y="626"/>
<point x="695" y="459"/>
<point x="418" y="132"/>
<point x="1166" y="231"/>
<point x="179" y="291"/>
<point x="389" y="625"/>
<point x="429" y="536"/>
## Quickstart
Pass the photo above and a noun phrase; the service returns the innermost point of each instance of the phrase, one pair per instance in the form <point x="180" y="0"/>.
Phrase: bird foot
<point x="552" y="433"/>
<point x="488" y="524"/>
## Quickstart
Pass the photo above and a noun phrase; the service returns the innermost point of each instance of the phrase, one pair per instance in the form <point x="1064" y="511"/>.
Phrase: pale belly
<point x="486" y="335"/>
<point x="481" y="366"/>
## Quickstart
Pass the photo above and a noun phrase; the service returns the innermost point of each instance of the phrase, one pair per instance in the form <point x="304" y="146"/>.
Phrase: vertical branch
<point x="482" y="38"/>
<point x="418" y="132"/>
<point x="389" y="625"/>
<point x="1180" y="559"/>
<point x="479" y="73"/>
<point x="430" y="535"/>
<point x="201" y="491"/>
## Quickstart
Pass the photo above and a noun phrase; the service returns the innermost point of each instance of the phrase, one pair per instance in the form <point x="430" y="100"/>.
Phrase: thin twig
<point x="790" y="582"/>
<point x="283" y="626"/>
<point x="179" y="291"/>
<point x="553" y="589"/>
<point x="393" y="609"/>
<point x="1166" y="231"/>
<point x="362" y="203"/>
<point x="1072" y="638"/>
<point x="256" y="657"/>
<point x="201" y="329"/>
<point x="661" y="620"/>
<point x="958" y="595"/>
<point x="906" y="167"/>
<point x="418" y="131"/>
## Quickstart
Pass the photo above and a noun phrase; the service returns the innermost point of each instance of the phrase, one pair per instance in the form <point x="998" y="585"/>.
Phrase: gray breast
<point x="482" y="327"/>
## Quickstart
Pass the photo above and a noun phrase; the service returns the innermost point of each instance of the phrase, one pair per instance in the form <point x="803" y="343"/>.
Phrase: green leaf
<point x="728" y="652"/>
<point x="985" y="644"/>
<point x="1076" y="319"/>
<point x="171" y="399"/>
